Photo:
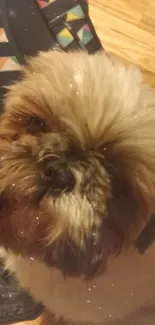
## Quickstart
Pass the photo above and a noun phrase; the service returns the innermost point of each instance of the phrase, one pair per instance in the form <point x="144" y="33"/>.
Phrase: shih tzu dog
<point x="77" y="170"/>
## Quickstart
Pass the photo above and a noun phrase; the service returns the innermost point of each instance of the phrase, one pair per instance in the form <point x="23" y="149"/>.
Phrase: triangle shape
<point x="71" y="17"/>
<point x="86" y="27"/>
<point x="42" y="4"/>
<point x="3" y="38"/>
<point x="14" y="59"/>
<point x="80" y="34"/>
<point x="75" y="13"/>
<point x="65" y="33"/>
<point x="64" y="38"/>
<point x="8" y="64"/>
<point x="87" y="36"/>
<point x="2" y="62"/>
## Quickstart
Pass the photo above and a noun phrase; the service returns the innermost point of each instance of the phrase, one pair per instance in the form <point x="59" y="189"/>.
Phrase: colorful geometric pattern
<point x="75" y="14"/>
<point x="85" y="34"/>
<point x="3" y="38"/>
<point x="64" y="37"/>
<point x="67" y="35"/>
<point x="9" y="64"/>
<point x="44" y="3"/>
<point x="72" y="28"/>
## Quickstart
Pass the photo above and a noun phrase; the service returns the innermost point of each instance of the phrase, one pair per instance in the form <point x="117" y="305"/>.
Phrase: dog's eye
<point x="36" y="125"/>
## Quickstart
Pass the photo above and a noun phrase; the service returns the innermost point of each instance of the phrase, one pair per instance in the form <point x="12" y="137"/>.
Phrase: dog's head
<point x="77" y="160"/>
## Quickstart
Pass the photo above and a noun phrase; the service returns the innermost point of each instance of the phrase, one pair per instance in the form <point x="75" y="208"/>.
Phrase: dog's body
<point x="77" y="173"/>
<point x="125" y="294"/>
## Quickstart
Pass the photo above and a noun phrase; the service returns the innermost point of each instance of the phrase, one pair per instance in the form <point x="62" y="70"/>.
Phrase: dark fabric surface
<point x="15" y="304"/>
<point x="32" y="26"/>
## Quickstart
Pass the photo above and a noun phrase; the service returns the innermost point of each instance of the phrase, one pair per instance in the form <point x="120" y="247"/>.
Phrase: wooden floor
<point x="127" y="29"/>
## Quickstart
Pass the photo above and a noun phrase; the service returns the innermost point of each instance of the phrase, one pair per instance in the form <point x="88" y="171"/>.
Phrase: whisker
<point x="28" y="177"/>
<point x="47" y="156"/>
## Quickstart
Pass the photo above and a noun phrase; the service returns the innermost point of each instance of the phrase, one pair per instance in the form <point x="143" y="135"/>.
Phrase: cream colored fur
<point x="117" y="96"/>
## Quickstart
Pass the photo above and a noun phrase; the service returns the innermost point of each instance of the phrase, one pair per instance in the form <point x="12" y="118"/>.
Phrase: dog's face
<point x="77" y="160"/>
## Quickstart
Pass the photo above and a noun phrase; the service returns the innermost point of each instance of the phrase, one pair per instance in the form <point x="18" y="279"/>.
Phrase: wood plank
<point x="130" y="11"/>
<point x="124" y="39"/>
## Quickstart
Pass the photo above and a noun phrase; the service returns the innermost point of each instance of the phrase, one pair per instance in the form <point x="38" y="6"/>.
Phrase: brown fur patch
<point x="96" y="116"/>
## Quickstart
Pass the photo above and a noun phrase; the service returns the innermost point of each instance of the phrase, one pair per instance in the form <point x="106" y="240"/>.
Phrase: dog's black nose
<point x="59" y="177"/>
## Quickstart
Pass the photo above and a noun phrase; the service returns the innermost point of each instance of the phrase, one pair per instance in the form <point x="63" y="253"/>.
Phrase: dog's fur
<point x="89" y="118"/>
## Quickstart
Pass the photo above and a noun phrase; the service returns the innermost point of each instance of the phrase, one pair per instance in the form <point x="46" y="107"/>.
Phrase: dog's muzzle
<point x="73" y="261"/>
<point x="57" y="177"/>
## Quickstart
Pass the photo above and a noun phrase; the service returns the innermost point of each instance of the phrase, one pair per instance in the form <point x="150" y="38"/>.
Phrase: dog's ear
<point x="128" y="144"/>
<point x="133" y="193"/>
<point x="136" y="165"/>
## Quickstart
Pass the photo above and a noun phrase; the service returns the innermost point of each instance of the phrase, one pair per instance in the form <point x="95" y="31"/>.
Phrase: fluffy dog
<point x="77" y="168"/>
